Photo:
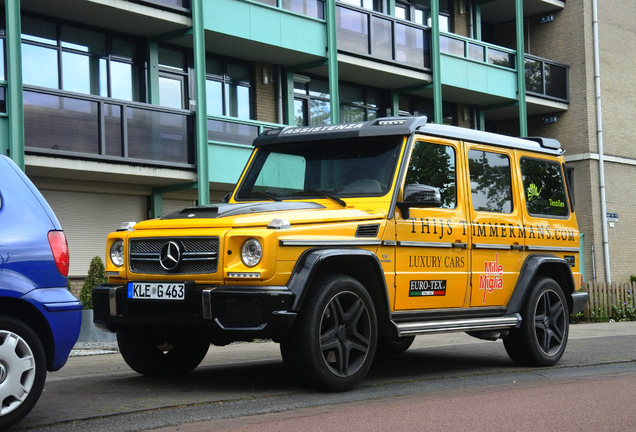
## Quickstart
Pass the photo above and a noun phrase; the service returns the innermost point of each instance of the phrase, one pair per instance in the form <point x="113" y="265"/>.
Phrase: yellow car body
<point x="438" y="229"/>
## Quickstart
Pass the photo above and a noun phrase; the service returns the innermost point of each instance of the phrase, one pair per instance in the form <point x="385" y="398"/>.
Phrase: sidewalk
<point x="577" y="331"/>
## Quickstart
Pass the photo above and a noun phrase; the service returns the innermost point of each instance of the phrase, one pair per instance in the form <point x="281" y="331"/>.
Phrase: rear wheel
<point x="333" y="340"/>
<point x="543" y="335"/>
<point x="22" y="370"/>
<point x="160" y="352"/>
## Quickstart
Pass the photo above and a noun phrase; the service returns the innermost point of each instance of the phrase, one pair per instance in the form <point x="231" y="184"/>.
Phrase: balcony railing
<point x="183" y="6"/>
<point x="382" y="37"/>
<point x="311" y="8"/>
<point x="547" y="79"/>
<point x="229" y="130"/>
<point x="476" y="50"/>
<point x="97" y="128"/>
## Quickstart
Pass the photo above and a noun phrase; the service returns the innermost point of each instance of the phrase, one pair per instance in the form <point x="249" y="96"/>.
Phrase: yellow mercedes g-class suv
<point x="340" y="241"/>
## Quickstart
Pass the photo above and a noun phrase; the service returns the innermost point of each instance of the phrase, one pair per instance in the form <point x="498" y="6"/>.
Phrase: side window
<point x="544" y="188"/>
<point x="434" y="165"/>
<point x="490" y="182"/>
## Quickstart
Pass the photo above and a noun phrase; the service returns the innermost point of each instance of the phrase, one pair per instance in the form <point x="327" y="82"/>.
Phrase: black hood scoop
<point x="214" y="211"/>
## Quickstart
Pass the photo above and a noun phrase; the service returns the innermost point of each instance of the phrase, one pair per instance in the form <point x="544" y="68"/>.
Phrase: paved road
<point x="101" y="393"/>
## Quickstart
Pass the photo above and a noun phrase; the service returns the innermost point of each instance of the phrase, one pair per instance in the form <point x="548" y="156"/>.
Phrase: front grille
<point x="199" y="255"/>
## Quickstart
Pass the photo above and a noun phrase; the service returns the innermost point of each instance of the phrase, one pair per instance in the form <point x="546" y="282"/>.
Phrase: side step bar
<point x="459" y="325"/>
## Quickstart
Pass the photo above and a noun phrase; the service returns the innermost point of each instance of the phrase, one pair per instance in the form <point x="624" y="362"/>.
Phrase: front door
<point x="431" y="242"/>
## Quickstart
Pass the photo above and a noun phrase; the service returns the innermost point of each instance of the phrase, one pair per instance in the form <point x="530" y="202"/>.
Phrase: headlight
<point x="117" y="253"/>
<point x="251" y="252"/>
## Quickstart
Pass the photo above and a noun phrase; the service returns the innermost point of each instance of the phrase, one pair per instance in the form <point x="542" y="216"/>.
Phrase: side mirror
<point x="226" y="197"/>
<point x="417" y="195"/>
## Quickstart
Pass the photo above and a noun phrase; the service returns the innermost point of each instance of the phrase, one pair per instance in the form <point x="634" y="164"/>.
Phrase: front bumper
<point x="226" y="313"/>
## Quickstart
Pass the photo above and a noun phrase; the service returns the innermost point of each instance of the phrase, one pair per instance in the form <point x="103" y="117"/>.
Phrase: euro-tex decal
<point x="422" y="288"/>
<point x="492" y="278"/>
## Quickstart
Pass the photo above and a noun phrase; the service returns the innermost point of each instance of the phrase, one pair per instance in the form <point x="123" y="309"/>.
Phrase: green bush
<point x="632" y="278"/>
<point x="96" y="276"/>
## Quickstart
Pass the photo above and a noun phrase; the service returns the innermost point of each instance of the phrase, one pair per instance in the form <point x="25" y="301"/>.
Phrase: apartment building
<point x="125" y="110"/>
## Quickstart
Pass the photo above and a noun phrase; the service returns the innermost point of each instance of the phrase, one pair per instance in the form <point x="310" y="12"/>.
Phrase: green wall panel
<point x="479" y="77"/>
<point x="227" y="162"/>
<point x="267" y="25"/>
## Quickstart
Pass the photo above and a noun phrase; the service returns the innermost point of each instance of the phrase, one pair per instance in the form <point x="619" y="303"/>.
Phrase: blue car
<point x="39" y="318"/>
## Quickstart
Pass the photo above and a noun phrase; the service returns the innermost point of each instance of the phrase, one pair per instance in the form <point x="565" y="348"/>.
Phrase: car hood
<point x="256" y="214"/>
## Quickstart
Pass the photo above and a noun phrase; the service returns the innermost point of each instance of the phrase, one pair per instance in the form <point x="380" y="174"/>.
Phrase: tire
<point x="394" y="345"/>
<point x="160" y="352"/>
<point x="22" y="370"/>
<point x="543" y="335"/>
<point x="333" y="340"/>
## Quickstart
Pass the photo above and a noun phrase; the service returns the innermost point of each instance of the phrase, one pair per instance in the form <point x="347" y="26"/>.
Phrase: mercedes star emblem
<point x="170" y="256"/>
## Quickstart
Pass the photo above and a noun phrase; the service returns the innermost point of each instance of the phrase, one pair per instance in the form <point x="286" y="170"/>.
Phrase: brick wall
<point x="265" y="94"/>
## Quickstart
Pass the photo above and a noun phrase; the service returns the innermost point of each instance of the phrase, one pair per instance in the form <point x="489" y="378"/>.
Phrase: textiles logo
<point x="492" y="278"/>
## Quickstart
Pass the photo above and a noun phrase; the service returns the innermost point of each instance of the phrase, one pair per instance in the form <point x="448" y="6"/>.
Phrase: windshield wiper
<point x="328" y="195"/>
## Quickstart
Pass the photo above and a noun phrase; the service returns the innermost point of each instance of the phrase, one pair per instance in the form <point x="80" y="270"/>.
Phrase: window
<point x="544" y="188"/>
<point x="228" y="87"/>
<point x="419" y="12"/>
<point x="173" y="78"/>
<point x="79" y="60"/>
<point x="374" y="5"/>
<point x="359" y="104"/>
<point x="434" y="165"/>
<point x="490" y="181"/>
<point x="411" y="105"/>
<point x="312" y="105"/>
<point x="312" y="8"/>
<point x="336" y="168"/>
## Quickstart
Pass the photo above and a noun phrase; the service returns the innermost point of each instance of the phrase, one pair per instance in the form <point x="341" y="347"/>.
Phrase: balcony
<point x="93" y="128"/>
<point x="546" y="79"/>
<point x="382" y="37"/>
<point x="491" y="69"/>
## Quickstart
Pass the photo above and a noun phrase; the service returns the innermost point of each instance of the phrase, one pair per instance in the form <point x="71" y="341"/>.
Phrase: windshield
<point x="341" y="168"/>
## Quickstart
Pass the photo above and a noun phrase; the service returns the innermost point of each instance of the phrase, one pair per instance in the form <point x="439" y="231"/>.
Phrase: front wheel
<point x="22" y="370"/>
<point x="394" y="345"/>
<point x="543" y="335"/>
<point x="161" y="352"/>
<point x="333" y="340"/>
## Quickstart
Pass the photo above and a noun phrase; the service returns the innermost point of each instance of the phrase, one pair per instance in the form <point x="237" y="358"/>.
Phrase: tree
<point x="96" y="276"/>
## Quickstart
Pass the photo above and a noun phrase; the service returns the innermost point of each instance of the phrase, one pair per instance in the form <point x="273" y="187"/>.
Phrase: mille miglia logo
<point x="492" y="278"/>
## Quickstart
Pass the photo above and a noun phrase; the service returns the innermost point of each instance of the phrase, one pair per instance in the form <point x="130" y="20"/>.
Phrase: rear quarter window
<point x="544" y="188"/>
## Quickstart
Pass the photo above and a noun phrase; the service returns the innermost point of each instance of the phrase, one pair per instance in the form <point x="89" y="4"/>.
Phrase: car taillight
<point x="59" y="247"/>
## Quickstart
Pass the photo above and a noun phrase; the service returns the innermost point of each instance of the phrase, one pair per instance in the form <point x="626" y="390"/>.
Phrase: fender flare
<point x="533" y="266"/>
<point x="312" y="260"/>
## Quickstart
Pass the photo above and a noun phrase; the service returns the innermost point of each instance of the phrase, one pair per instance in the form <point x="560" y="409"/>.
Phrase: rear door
<point x="496" y="224"/>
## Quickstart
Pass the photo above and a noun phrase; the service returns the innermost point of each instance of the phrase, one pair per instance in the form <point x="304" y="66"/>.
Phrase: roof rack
<point x="379" y="127"/>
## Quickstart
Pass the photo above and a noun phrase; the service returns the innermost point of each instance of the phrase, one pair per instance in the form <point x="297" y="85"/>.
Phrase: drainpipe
<point x="599" y="137"/>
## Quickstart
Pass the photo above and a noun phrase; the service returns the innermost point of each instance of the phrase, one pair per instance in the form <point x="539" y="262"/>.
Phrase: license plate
<point x="156" y="291"/>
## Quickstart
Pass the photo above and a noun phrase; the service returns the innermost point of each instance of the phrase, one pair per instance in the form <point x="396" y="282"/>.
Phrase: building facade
<point x="126" y="110"/>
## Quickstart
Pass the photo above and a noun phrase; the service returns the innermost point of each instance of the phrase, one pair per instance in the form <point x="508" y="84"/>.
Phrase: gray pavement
<point x="100" y="393"/>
